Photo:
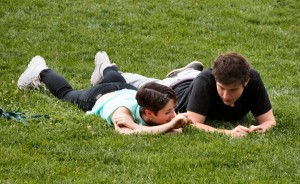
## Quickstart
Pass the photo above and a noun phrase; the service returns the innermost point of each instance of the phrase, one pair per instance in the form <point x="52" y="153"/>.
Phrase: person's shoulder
<point x="253" y="71"/>
<point x="254" y="75"/>
<point x="206" y="73"/>
<point x="205" y="76"/>
<point x="255" y="78"/>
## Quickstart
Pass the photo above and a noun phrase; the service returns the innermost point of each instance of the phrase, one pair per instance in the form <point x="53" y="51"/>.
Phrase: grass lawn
<point x="150" y="38"/>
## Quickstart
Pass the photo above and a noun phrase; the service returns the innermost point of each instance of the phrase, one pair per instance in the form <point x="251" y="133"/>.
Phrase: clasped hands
<point x="241" y="131"/>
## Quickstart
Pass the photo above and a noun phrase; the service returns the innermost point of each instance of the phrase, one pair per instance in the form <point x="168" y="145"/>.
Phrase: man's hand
<point x="238" y="131"/>
<point x="257" y="128"/>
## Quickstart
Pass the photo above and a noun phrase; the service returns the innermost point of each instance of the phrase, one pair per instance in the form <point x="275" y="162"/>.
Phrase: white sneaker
<point x="101" y="62"/>
<point x="30" y="78"/>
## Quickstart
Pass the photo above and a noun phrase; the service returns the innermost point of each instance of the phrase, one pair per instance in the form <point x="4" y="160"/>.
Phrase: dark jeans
<point x="85" y="99"/>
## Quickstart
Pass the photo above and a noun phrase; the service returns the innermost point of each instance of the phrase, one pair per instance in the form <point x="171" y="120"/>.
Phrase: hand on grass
<point x="181" y="120"/>
<point x="257" y="128"/>
<point x="238" y="131"/>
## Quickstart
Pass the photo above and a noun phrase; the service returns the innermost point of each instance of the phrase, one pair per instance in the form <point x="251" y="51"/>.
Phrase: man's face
<point x="230" y="93"/>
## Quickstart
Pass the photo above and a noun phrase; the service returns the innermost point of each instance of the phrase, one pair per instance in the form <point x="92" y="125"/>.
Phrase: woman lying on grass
<point x="149" y="110"/>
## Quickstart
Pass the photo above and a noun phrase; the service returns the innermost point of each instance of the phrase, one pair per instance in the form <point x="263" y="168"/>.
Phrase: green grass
<point x="150" y="38"/>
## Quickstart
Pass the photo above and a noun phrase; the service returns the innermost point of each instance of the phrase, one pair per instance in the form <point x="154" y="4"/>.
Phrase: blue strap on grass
<point x="19" y="116"/>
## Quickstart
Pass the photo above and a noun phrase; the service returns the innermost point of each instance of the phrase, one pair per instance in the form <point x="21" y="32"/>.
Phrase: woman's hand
<point x="180" y="121"/>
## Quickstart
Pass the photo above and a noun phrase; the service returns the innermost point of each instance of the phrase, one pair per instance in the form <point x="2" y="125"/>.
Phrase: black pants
<point x="85" y="99"/>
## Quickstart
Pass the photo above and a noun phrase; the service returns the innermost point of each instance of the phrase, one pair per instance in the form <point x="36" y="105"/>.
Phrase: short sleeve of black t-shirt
<point x="204" y="99"/>
<point x="202" y="91"/>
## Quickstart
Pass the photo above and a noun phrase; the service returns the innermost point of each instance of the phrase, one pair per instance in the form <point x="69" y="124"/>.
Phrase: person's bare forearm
<point x="238" y="131"/>
<point x="153" y="129"/>
<point x="179" y="121"/>
<point x="204" y="127"/>
<point x="265" y="122"/>
<point x="263" y="127"/>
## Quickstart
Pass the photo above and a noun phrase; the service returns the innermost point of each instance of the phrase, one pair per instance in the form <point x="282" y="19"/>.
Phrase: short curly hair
<point x="230" y="68"/>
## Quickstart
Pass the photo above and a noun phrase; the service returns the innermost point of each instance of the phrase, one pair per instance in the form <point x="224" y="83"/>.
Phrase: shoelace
<point x="20" y="116"/>
<point x="36" y="83"/>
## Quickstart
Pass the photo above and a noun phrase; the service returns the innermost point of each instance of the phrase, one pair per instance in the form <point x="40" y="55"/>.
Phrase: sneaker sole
<point x="173" y="73"/>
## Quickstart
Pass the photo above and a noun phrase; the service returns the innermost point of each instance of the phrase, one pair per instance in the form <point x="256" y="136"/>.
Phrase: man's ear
<point x="246" y="83"/>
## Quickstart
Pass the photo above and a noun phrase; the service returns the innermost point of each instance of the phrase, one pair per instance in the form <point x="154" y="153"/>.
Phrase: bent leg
<point x="59" y="87"/>
<point x="84" y="99"/>
<point x="180" y="77"/>
<point x="138" y="80"/>
<point x="111" y="74"/>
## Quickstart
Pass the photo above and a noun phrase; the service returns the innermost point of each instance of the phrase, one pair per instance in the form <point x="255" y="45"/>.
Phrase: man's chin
<point x="229" y="104"/>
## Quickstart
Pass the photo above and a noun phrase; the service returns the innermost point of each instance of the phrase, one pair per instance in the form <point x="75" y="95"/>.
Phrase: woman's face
<point x="166" y="114"/>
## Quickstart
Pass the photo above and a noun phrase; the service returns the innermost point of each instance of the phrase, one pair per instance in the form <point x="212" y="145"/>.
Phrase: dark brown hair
<point x="231" y="67"/>
<point x="154" y="97"/>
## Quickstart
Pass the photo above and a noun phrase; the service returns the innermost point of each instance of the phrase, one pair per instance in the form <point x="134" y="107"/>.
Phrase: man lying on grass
<point x="150" y="110"/>
<point x="227" y="92"/>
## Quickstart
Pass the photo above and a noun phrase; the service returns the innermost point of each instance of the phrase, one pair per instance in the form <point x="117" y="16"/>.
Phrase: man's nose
<point x="226" y="95"/>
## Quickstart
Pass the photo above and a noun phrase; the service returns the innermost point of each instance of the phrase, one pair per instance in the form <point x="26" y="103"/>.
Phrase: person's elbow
<point x="273" y="123"/>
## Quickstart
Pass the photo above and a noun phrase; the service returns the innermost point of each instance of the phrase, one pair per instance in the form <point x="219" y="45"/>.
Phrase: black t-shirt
<point x="201" y="96"/>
